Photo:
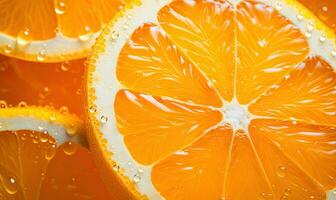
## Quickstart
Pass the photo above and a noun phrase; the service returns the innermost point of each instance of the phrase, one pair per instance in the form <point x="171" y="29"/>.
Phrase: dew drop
<point x="129" y="16"/>
<point x="136" y="178"/>
<point x="71" y="130"/>
<point x="299" y="17"/>
<point x="125" y="26"/>
<point x="92" y="109"/>
<point x="114" y="35"/>
<point x="23" y="38"/>
<point x="103" y="119"/>
<point x="60" y="8"/>
<point x="8" y="49"/>
<point x="287" y="192"/>
<point x="140" y="171"/>
<point x="310" y="27"/>
<point x="65" y="66"/>
<point x="52" y="117"/>
<point x="281" y="171"/>
<point x="3" y="104"/>
<point x="308" y="34"/>
<point x="41" y="55"/>
<point x="116" y="167"/>
<point x="22" y="104"/>
<point x="9" y="183"/>
<point x="36" y="139"/>
<point x="333" y="53"/>
<point x="50" y="153"/>
<point x="322" y="13"/>
<point x="322" y="38"/>
<point x="278" y="6"/>
<point x="87" y="35"/>
<point x="69" y="148"/>
<point x="23" y="136"/>
<point x="312" y="197"/>
<point x="44" y="137"/>
<point x="64" y="110"/>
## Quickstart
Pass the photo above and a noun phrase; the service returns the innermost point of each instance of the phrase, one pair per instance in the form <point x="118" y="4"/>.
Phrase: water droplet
<point x="60" y="8"/>
<point x="50" y="153"/>
<point x="41" y="55"/>
<point x="129" y="16"/>
<point x="92" y="109"/>
<point x="52" y="117"/>
<point x="116" y="167"/>
<point x="23" y="136"/>
<point x="72" y="129"/>
<point x="287" y="192"/>
<point x="65" y="66"/>
<point x="308" y="34"/>
<point x="278" y="6"/>
<point x="87" y="35"/>
<point x="322" y="13"/>
<point x="322" y="38"/>
<point x="333" y="53"/>
<point x="222" y="198"/>
<point x="36" y="139"/>
<point x="140" y="171"/>
<point x="8" y="49"/>
<point x="299" y="17"/>
<point x="40" y="127"/>
<point x="64" y="110"/>
<point x="312" y="197"/>
<point x="125" y="26"/>
<point x="44" y="137"/>
<point x="69" y="148"/>
<point x="310" y="27"/>
<point x="78" y="91"/>
<point x="23" y="38"/>
<point x="120" y="7"/>
<point x="136" y="178"/>
<point x="103" y="119"/>
<point x="9" y="183"/>
<point x="3" y="104"/>
<point x="22" y="104"/>
<point x="114" y="35"/>
<point x="281" y="171"/>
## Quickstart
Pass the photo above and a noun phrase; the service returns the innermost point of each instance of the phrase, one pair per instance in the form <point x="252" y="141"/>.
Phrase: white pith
<point x="57" y="131"/>
<point x="106" y="85"/>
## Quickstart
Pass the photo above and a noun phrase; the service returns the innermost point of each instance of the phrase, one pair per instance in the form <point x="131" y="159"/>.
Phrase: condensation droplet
<point x="23" y="136"/>
<point x="114" y="35"/>
<point x="281" y="171"/>
<point x="3" y="104"/>
<point x="116" y="167"/>
<point x="92" y="109"/>
<point x="9" y="183"/>
<point x="41" y="55"/>
<point x="69" y="148"/>
<point x="312" y="197"/>
<point x="308" y="34"/>
<point x="125" y="26"/>
<point x="136" y="178"/>
<point x="129" y="16"/>
<point x="36" y="139"/>
<point x="299" y="17"/>
<point x="310" y="27"/>
<point x="333" y="53"/>
<point x="52" y="117"/>
<point x="140" y="171"/>
<point x="322" y="38"/>
<point x="103" y="119"/>
<point x="278" y="6"/>
<point x="23" y="37"/>
<point x="87" y="35"/>
<point x="288" y="191"/>
<point x="65" y="66"/>
<point x="8" y="49"/>
<point x="50" y="153"/>
<point x="22" y="104"/>
<point x="64" y="110"/>
<point x="322" y="13"/>
<point x="60" y="8"/>
<point x="71" y="130"/>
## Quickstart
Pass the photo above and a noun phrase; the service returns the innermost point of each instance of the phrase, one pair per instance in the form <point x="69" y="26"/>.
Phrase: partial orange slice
<point x="218" y="99"/>
<point x="57" y="85"/>
<point x="52" y="30"/>
<point x="33" y="166"/>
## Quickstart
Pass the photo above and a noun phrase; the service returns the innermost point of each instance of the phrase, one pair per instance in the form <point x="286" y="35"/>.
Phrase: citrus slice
<point x="217" y="99"/>
<point x="57" y="85"/>
<point x="52" y="30"/>
<point x="32" y="167"/>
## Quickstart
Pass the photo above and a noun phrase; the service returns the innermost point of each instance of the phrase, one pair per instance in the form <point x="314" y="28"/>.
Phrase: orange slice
<point x="53" y="30"/>
<point x="32" y="167"/>
<point x="217" y="99"/>
<point x="57" y="85"/>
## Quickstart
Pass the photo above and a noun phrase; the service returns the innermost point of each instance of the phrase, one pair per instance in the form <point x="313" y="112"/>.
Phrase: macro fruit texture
<point x="215" y="100"/>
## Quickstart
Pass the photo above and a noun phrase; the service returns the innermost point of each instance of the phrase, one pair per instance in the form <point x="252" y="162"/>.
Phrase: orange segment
<point x="73" y="177"/>
<point x="37" y="24"/>
<point x="155" y="127"/>
<point x="150" y="63"/>
<point x="246" y="177"/>
<point x="57" y="85"/>
<point x="288" y="180"/>
<point x="268" y="48"/>
<point x="197" y="29"/>
<point x="303" y="145"/>
<point x="307" y="94"/>
<point x="198" y="171"/>
<point x="23" y="160"/>
<point x="84" y="17"/>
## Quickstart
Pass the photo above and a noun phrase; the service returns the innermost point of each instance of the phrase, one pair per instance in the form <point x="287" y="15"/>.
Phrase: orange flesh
<point x="41" y="18"/>
<point x="32" y="167"/>
<point x="270" y="73"/>
<point x="56" y="85"/>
